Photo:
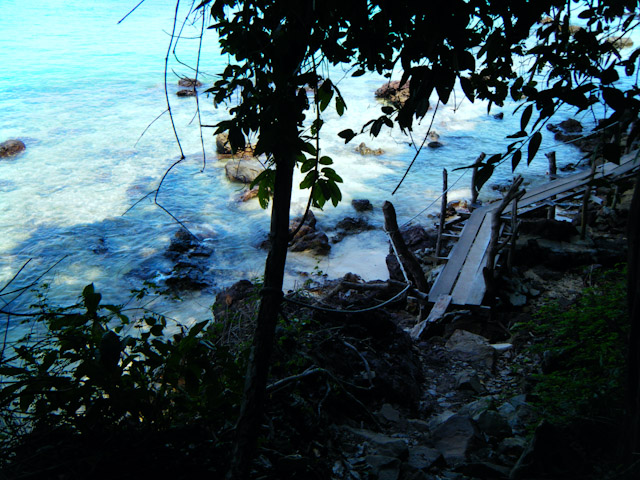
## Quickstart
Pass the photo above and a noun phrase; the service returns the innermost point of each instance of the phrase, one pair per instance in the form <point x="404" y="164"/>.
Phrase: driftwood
<point x="514" y="194"/>
<point x="407" y="260"/>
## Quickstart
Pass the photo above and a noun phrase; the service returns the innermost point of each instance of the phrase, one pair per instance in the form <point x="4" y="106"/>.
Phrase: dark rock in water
<point x="351" y="226"/>
<point x="187" y="254"/>
<point x="222" y="144"/>
<point x="223" y="148"/>
<point x="548" y="228"/>
<point x="570" y="125"/>
<point x="248" y="194"/>
<point x="418" y="238"/>
<point x="100" y="247"/>
<point x="189" y="82"/>
<point x="187" y="280"/>
<point x="569" y="167"/>
<point x="361" y="205"/>
<point x="362" y="149"/>
<point x="11" y="148"/>
<point x="435" y="144"/>
<point x="499" y="116"/>
<point x="571" y="131"/>
<point x="308" y="238"/>
<point x="315" y="242"/>
<point x="183" y="242"/>
<point x="186" y="93"/>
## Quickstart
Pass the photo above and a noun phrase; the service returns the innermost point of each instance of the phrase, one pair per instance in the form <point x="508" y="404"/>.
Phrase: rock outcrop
<point x="11" y="148"/>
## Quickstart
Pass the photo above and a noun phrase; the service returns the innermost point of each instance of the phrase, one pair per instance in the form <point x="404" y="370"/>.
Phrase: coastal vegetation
<point x="174" y="398"/>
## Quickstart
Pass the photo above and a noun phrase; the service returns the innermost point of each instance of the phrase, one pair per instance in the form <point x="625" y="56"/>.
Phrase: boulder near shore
<point x="11" y="148"/>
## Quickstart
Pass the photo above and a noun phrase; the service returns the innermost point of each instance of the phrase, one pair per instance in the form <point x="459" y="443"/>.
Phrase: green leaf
<point x="515" y="159"/>
<point x="387" y="110"/>
<point x="484" y="174"/>
<point x="519" y="134"/>
<point x="309" y="180"/>
<point x="468" y="89"/>
<point x="336" y="194"/>
<point x="309" y="148"/>
<point x="340" y="105"/>
<point x="197" y="328"/>
<point x="316" y="126"/>
<point x="347" y="134"/>
<point x="377" y="125"/>
<point x="358" y="73"/>
<point x="331" y="174"/>
<point x="526" y="116"/>
<point x="308" y="165"/>
<point x="325" y="160"/>
<point x="614" y="98"/>
<point x="534" y="145"/>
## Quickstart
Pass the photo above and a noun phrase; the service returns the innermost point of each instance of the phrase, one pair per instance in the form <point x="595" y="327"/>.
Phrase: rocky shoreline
<point x="456" y="403"/>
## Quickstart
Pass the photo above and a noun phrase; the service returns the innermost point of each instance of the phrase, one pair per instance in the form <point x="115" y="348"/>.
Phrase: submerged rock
<point x="188" y="255"/>
<point x="11" y="147"/>
<point x="351" y="226"/>
<point x="361" y="205"/>
<point x="186" y="93"/>
<point x="189" y="82"/>
<point x="243" y="170"/>
<point x="362" y="149"/>
<point x="307" y="237"/>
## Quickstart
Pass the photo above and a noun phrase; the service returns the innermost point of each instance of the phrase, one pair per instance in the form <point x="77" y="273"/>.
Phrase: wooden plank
<point x="445" y="281"/>
<point x="473" y="263"/>
<point x="436" y="312"/>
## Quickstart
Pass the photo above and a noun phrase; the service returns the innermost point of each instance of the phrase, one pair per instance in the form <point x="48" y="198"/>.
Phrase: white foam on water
<point x="81" y="90"/>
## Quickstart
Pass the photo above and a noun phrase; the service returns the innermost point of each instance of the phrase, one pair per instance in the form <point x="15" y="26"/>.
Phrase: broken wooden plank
<point x="445" y="281"/>
<point x="473" y="264"/>
<point x="436" y="313"/>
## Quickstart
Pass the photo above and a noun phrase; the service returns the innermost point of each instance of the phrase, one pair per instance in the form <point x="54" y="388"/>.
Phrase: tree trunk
<point x="252" y="409"/>
<point x="633" y="298"/>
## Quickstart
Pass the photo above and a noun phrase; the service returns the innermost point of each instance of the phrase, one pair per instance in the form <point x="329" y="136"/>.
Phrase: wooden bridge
<point x="461" y="282"/>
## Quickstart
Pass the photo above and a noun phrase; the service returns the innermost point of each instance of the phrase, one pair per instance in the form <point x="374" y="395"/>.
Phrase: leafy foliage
<point x="583" y="353"/>
<point x="96" y="370"/>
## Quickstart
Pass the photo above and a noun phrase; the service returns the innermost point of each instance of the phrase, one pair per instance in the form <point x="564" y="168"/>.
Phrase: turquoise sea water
<point x="80" y="90"/>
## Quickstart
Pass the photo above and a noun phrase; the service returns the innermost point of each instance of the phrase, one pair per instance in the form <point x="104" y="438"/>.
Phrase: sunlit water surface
<point x="80" y="90"/>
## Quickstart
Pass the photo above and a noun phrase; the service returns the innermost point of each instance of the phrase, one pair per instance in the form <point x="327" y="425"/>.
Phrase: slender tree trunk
<point x="633" y="298"/>
<point x="252" y="409"/>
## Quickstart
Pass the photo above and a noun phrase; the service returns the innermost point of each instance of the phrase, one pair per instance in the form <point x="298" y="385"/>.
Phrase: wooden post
<point x="553" y="171"/>
<point x="514" y="231"/>
<point x="474" y="174"/>
<point x="515" y="194"/>
<point x="585" y="201"/>
<point x="443" y="212"/>
<point x="409" y="261"/>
